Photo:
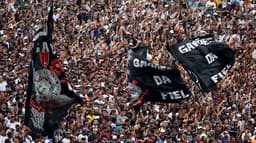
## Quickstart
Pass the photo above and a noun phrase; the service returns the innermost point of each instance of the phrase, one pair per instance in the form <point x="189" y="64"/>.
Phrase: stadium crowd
<point x="92" y="38"/>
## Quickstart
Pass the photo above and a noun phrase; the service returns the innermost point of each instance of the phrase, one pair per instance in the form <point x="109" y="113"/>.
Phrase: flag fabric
<point x="49" y="95"/>
<point x="157" y="82"/>
<point x="206" y="61"/>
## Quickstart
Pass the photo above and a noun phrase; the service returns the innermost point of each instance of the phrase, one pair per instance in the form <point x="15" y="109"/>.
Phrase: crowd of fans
<point x="92" y="38"/>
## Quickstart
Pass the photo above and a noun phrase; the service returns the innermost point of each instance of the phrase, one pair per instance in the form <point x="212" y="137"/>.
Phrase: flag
<point x="154" y="82"/>
<point x="206" y="61"/>
<point x="49" y="95"/>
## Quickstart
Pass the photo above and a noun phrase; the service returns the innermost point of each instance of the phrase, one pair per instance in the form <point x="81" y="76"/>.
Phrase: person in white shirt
<point x="221" y="37"/>
<point x="210" y="4"/>
<point x="246" y="135"/>
<point x="3" y="84"/>
<point x="83" y="137"/>
<point x="3" y="138"/>
<point x="12" y="123"/>
<point x="254" y="54"/>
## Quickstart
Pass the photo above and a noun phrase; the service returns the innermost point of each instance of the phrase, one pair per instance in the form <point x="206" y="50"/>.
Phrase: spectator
<point x="92" y="39"/>
<point x="3" y="84"/>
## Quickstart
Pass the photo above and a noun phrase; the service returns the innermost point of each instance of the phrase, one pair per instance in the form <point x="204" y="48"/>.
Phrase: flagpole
<point x="50" y="24"/>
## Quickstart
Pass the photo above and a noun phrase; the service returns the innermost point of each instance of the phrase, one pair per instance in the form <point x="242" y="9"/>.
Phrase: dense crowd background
<point x="92" y="38"/>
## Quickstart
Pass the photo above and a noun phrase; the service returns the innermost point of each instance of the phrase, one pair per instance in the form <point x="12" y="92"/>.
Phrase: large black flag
<point x="48" y="95"/>
<point x="159" y="83"/>
<point x="206" y="61"/>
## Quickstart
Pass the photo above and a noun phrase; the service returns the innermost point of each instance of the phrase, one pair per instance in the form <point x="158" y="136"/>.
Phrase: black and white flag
<point x="163" y="83"/>
<point x="49" y="95"/>
<point x="206" y="61"/>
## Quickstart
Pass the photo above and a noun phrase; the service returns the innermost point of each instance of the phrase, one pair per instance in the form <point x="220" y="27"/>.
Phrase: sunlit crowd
<point x="92" y="38"/>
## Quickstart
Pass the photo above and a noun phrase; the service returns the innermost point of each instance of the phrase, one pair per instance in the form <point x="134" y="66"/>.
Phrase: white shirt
<point x="227" y="39"/>
<point x="56" y="17"/>
<point x="254" y="54"/>
<point x="29" y="139"/>
<point x="81" y="136"/>
<point x="243" y="136"/>
<point x="12" y="125"/>
<point x="10" y="6"/>
<point x="221" y="38"/>
<point x="66" y="140"/>
<point x="236" y="39"/>
<point x="3" y="138"/>
<point x="211" y="4"/>
<point x="3" y="85"/>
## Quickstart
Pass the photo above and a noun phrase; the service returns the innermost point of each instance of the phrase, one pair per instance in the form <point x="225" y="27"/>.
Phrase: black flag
<point x="157" y="83"/>
<point x="206" y="61"/>
<point x="48" y="94"/>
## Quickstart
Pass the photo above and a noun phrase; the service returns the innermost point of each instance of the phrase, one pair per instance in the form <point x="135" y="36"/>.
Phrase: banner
<point x="206" y="61"/>
<point x="48" y="94"/>
<point x="163" y="83"/>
